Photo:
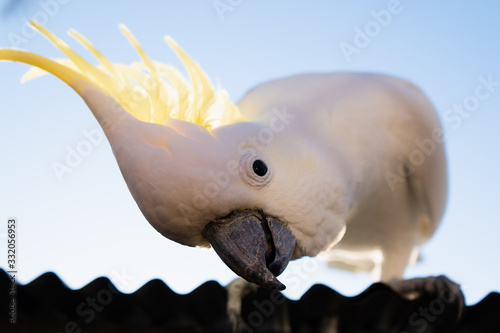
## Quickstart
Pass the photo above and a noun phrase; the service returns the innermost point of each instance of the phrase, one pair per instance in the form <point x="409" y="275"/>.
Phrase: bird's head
<point x="214" y="189"/>
<point x="201" y="174"/>
<point x="258" y="204"/>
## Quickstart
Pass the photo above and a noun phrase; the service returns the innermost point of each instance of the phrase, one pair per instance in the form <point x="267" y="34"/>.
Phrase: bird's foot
<point x="265" y="310"/>
<point x="447" y="291"/>
<point x="236" y="291"/>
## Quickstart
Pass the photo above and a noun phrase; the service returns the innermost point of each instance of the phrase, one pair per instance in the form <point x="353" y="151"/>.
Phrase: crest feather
<point x="149" y="90"/>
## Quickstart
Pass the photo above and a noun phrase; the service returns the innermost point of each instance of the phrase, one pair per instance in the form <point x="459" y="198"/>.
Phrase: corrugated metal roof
<point x="47" y="305"/>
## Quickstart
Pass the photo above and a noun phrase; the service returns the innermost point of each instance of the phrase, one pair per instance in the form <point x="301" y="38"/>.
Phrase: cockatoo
<point x="347" y="164"/>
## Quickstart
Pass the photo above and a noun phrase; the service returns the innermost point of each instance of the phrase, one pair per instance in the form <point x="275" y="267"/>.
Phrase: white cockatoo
<point x="351" y="165"/>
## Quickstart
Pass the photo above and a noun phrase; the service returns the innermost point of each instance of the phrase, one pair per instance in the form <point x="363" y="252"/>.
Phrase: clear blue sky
<point x="88" y="225"/>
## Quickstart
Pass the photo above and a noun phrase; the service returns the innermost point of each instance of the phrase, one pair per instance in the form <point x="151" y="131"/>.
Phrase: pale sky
<point x="86" y="224"/>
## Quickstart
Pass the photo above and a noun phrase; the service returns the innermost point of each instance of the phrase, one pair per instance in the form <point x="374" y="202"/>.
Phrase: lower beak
<point x="255" y="246"/>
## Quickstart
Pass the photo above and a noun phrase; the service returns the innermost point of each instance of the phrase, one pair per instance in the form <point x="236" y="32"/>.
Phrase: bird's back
<point x="390" y="138"/>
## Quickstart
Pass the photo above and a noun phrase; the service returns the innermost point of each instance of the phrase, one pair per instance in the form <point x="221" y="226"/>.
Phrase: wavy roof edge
<point x="46" y="303"/>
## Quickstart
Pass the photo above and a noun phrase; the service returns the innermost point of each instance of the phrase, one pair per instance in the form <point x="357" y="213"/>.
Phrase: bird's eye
<point x="255" y="169"/>
<point x="260" y="168"/>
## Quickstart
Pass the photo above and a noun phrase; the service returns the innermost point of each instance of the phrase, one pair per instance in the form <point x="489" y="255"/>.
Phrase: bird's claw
<point x="236" y="290"/>
<point x="447" y="291"/>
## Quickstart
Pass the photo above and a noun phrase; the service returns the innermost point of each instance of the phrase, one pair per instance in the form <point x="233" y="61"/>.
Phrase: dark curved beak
<point x="255" y="246"/>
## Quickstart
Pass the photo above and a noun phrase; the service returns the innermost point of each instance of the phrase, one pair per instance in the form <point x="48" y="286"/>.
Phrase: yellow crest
<point x="149" y="90"/>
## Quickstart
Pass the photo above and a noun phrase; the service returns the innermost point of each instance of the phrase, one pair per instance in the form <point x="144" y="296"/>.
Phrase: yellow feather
<point x="65" y="73"/>
<point x="203" y="92"/>
<point x="35" y="72"/>
<point x="85" y="68"/>
<point x="149" y="90"/>
<point x="102" y="59"/>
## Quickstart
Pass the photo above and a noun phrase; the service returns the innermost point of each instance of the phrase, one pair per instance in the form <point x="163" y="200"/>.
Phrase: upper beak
<point x="255" y="246"/>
